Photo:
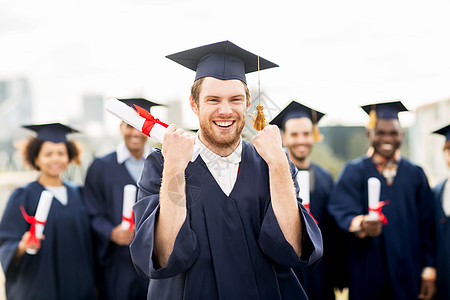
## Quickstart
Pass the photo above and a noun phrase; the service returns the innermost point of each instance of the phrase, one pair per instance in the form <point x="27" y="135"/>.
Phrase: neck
<point x="45" y="179"/>
<point x="221" y="150"/>
<point x="301" y="163"/>
<point x="137" y="153"/>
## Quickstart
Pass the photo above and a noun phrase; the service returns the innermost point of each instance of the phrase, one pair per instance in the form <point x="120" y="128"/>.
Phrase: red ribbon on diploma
<point x="307" y="208"/>
<point x="31" y="220"/>
<point x="378" y="211"/>
<point x="150" y="120"/>
<point x="129" y="220"/>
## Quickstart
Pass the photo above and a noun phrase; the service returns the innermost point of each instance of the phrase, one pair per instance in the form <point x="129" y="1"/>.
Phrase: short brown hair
<point x="196" y="87"/>
<point x="33" y="146"/>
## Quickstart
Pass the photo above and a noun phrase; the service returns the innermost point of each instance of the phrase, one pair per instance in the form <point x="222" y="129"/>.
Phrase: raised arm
<point x="177" y="152"/>
<point x="282" y="191"/>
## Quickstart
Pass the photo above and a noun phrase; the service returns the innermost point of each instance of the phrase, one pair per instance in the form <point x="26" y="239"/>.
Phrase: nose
<point x="225" y="108"/>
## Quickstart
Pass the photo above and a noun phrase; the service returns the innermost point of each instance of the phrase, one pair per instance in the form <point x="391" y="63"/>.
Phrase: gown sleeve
<point x="12" y="228"/>
<point x="95" y="201"/>
<point x="345" y="201"/>
<point x="274" y="244"/>
<point x="146" y="212"/>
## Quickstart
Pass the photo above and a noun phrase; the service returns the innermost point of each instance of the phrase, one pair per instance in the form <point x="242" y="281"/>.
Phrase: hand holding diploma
<point x="142" y="120"/>
<point x="37" y="222"/>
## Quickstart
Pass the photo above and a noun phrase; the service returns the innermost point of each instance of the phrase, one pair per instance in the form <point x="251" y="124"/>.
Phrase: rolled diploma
<point x="303" y="182"/>
<point x="374" y="186"/>
<point x="45" y="201"/>
<point x="129" y="197"/>
<point x="130" y="116"/>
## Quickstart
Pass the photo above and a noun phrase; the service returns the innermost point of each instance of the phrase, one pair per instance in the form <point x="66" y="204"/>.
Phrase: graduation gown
<point x="103" y="194"/>
<point x="63" y="267"/>
<point x="229" y="247"/>
<point x="443" y="244"/>
<point x="319" y="281"/>
<point x="388" y="266"/>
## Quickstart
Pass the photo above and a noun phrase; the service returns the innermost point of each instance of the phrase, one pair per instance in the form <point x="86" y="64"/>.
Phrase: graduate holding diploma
<point x="391" y="253"/>
<point x="107" y="199"/>
<point x="229" y="224"/>
<point x="45" y="239"/>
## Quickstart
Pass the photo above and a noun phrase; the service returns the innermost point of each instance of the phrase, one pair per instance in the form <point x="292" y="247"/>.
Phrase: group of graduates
<point x="242" y="220"/>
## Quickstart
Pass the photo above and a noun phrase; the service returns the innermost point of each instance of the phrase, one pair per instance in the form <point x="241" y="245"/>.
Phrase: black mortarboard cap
<point x="142" y="102"/>
<point x="296" y="110"/>
<point x="386" y="110"/>
<point x="53" y="132"/>
<point x="222" y="60"/>
<point x="445" y="131"/>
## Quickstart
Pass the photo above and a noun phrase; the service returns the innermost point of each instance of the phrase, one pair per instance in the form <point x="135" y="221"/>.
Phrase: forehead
<point x="388" y="124"/>
<point x="221" y="88"/>
<point x="47" y="145"/>
<point x="298" y="124"/>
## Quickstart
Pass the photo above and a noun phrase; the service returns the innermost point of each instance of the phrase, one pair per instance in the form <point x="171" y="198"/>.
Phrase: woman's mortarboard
<point x="142" y="102"/>
<point x="445" y="131"/>
<point x="222" y="60"/>
<point x="385" y="110"/>
<point x="52" y="132"/>
<point x="296" y="110"/>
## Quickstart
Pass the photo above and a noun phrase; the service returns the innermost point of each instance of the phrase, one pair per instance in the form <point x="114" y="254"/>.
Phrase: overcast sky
<point x="334" y="55"/>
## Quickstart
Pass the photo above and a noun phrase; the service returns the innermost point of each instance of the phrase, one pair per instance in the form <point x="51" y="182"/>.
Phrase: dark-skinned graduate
<point x="392" y="248"/>
<point x="299" y="132"/>
<point x="227" y="225"/>
<point x="59" y="264"/>
<point x="105" y="184"/>
<point x="441" y="194"/>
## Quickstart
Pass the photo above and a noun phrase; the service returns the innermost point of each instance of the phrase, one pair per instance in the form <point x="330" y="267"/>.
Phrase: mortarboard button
<point x="222" y="60"/>
<point x="53" y="132"/>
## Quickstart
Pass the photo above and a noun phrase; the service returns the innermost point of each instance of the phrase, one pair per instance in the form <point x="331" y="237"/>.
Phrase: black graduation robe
<point x="443" y="244"/>
<point x="63" y="267"/>
<point x="319" y="280"/>
<point x="103" y="194"/>
<point x="388" y="266"/>
<point x="229" y="247"/>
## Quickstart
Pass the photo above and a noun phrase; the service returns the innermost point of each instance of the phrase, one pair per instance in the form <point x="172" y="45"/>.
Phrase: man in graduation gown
<point x="104" y="191"/>
<point x="441" y="194"/>
<point x="392" y="256"/>
<point x="299" y="133"/>
<point x="226" y="225"/>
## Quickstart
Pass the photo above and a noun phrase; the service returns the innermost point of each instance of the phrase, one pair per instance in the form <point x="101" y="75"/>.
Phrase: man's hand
<point x="22" y="247"/>
<point x="371" y="227"/>
<point x="177" y="148"/>
<point x="122" y="237"/>
<point x="427" y="289"/>
<point x="268" y="144"/>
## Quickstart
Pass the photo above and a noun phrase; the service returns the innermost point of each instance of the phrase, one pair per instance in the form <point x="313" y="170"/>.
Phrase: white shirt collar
<point x="123" y="153"/>
<point x="208" y="156"/>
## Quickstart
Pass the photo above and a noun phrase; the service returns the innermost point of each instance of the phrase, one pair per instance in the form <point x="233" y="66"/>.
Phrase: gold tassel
<point x="259" y="120"/>
<point x="316" y="133"/>
<point x="372" y="119"/>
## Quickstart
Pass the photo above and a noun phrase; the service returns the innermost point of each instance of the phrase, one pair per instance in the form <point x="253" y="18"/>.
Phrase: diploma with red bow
<point x="375" y="205"/>
<point x="129" y="198"/>
<point x="142" y="120"/>
<point x="303" y="183"/>
<point x="38" y="221"/>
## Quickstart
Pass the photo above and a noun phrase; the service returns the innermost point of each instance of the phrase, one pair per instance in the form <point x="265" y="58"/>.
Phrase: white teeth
<point x="224" y="124"/>
<point x="387" y="147"/>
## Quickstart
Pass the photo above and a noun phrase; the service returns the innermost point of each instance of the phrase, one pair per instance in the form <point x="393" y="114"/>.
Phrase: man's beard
<point x="215" y="142"/>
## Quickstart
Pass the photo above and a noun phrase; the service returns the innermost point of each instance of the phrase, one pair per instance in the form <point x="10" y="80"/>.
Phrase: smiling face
<point x="134" y="139"/>
<point x="222" y="111"/>
<point x="298" y="138"/>
<point x="52" y="159"/>
<point x="386" y="138"/>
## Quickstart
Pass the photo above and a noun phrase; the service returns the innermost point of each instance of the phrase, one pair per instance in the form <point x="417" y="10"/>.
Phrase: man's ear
<point x="193" y="105"/>
<point x="369" y="133"/>
<point x="282" y="138"/>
